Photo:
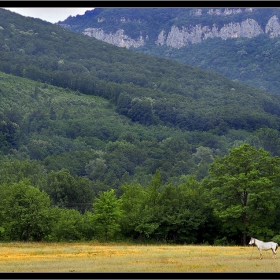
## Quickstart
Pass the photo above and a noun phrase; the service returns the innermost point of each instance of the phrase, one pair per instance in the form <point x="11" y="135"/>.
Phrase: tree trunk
<point x="244" y="239"/>
<point x="244" y="217"/>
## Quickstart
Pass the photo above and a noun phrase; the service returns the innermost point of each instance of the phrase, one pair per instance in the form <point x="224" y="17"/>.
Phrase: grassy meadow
<point x="95" y="257"/>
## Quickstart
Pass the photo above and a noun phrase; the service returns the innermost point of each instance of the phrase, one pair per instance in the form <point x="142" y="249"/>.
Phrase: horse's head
<point x="252" y="241"/>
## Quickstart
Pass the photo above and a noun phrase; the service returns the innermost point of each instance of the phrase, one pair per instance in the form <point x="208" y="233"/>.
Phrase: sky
<point x="52" y="15"/>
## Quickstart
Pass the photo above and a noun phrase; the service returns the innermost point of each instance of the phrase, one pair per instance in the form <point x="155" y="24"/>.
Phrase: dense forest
<point x="102" y="142"/>
<point x="252" y="61"/>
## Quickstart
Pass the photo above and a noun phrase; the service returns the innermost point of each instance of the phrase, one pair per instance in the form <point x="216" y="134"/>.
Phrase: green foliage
<point x="276" y="239"/>
<point x="266" y="138"/>
<point x="16" y="170"/>
<point x="132" y="201"/>
<point x="67" y="191"/>
<point x="89" y="133"/>
<point x="25" y="212"/>
<point x="67" y="225"/>
<point x="177" y="214"/>
<point x="222" y="242"/>
<point x="244" y="193"/>
<point x="184" y="213"/>
<point x="246" y="60"/>
<point x="106" y="215"/>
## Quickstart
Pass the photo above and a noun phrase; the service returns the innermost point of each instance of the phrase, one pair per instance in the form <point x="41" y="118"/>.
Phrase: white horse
<point x="264" y="246"/>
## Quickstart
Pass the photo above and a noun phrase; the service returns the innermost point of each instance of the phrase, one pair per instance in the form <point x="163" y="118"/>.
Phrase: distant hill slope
<point x="116" y="116"/>
<point x="240" y="43"/>
<point x="146" y="89"/>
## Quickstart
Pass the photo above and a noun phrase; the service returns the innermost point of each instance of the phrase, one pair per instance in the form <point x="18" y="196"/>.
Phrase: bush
<point x="223" y="242"/>
<point x="276" y="239"/>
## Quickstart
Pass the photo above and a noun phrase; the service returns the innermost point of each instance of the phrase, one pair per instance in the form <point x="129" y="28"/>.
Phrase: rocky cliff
<point x="180" y="36"/>
<point x="118" y="39"/>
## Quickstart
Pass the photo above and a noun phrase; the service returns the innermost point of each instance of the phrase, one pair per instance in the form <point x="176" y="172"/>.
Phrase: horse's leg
<point x="274" y="253"/>
<point x="260" y="254"/>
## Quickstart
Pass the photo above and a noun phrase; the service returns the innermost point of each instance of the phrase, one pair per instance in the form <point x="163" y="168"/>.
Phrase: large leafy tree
<point x="133" y="198"/>
<point x="150" y="213"/>
<point x="24" y="212"/>
<point x="69" y="192"/>
<point x="244" y="192"/>
<point x="106" y="215"/>
<point x="186" y="216"/>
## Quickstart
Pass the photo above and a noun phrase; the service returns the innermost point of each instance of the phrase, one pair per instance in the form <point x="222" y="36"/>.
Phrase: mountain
<point x="113" y="115"/>
<point x="240" y="43"/>
<point x="148" y="90"/>
<point x="173" y="27"/>
<point x="86" y="126"/>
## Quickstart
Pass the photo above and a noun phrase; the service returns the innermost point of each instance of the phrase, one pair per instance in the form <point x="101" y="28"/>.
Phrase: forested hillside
<point x="86" y="127"/>
<point x="239" y="43"/>
<point x="251" y="61"/>
<point x="146" y="89"/>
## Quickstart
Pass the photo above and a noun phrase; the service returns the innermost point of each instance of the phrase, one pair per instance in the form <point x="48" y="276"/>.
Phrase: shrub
<point x="276" y="239"/>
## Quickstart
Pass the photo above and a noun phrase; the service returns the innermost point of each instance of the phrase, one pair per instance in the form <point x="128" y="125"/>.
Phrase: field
<point x="95" y="257"/>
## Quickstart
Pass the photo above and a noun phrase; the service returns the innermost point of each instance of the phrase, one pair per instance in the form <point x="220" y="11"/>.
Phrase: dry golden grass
<point x="94" y="257"/>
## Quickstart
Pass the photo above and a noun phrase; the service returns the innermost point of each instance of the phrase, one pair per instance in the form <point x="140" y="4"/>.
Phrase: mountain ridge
<point x="178" y="34"/>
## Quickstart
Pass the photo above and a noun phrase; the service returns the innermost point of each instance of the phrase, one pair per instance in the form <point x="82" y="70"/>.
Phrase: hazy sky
<point x="52" y="15"/>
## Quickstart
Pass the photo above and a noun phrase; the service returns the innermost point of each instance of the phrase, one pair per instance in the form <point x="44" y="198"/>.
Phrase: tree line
<point x="239" y="198"/>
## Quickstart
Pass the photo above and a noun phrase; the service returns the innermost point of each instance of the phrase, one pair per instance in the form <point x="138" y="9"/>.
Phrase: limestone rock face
<point x="177" y="38"/>
<point x="248" y="28"/>
<point x="273" y="27"/>
<point x="118" y="39"/>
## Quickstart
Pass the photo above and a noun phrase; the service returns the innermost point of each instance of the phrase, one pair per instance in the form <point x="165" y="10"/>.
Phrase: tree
<point x="144" y="208"/>
<point x="69" y="192"/>
<point x="133" y="198"/>
<point x="25" y="212"/>
<point x="202" y="157"/>
<point x="168" y="213"/>
<point x="16" y="170"/>
<point x="268" y="139"/>
<point x="185" y="213"/>
<point x="67" y="225"/>
<point x="243" y="190"/>
<point x="141" y="111"/>
<point x="107" y="213"/>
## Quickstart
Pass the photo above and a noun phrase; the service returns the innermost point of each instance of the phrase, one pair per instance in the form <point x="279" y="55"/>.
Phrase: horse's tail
<point x="276" y="246"/>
